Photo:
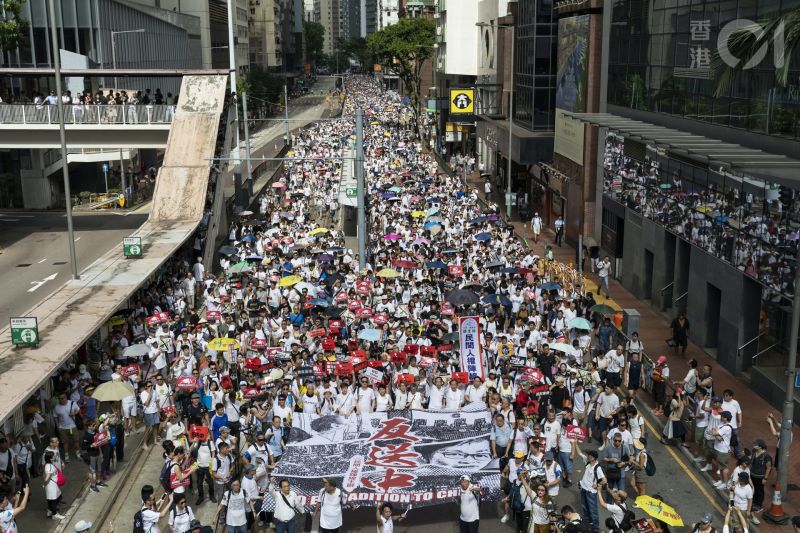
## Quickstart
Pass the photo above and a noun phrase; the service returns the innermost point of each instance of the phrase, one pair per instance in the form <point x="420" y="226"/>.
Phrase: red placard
<point x="398" y="358"/>
<point x="213" y="316"/>
<point x="427" y="362"/>
<point x="258" y="344"/>
<point x="128" y="371"/>
<point x="341" y="297"/>
<point x="198" y="432"/>
<point x="186" y="383"/>
<point x="328" y="344"/>
<point x="408" y="379"/>
<point x="411" y="348"/>
<point x="455" y="270"/>
<point x="319" y="371"/>
<point x="380" y="319"/>
<point x="444" y="347"/>
<point x="335" y="324"/>
<point x="168" y="410"/>
<point x="447" y="309"/>
<point x="162" y="316"/>
<point x="152" y="321"/>
<point x="250" y="392"/>
<point x="344" y="369"/>
<point x="255" y="364"/>
<point x="460" y="377"/>
<point x="359" y="363"/>
<point x="427" y="351"/>
<point x="273" y="352"/>
<point x="363" y="288"/>
<point x="354" y="305"/>
<point x="531" y="375"/>
<point x="317" y="332"/>
<point x="364" y="312"/>
<point x="374" y="363"/>
<point x="576" y="432"/>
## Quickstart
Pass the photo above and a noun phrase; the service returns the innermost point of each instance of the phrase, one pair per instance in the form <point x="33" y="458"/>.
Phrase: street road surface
<point x="35" y="258"/>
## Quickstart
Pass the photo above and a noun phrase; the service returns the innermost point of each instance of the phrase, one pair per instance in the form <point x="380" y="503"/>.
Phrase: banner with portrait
<point x="410" y="458"/>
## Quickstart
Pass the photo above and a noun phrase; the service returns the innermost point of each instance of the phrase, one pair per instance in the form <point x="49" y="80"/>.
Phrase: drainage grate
<point x="23" y="265"/>
<point x="60" y="263"/>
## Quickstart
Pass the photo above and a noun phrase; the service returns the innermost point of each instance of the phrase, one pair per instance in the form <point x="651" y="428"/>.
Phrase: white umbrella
<point x="136" y="350"/>
<point x="112" y="391"/>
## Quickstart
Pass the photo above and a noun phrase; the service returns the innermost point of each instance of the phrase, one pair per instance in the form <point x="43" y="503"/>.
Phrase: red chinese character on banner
<point x="393" y="455"/>
<point x="394" y="428"/>
<point x="391" y="480"/>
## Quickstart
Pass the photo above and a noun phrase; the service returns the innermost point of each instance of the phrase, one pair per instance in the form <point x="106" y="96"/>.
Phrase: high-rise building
<point x="329" y="13"/>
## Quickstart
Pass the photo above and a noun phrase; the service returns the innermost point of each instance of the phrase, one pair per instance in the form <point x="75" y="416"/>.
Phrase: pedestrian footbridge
<point x="69" y="316"/>
<point x="87" y="126"/>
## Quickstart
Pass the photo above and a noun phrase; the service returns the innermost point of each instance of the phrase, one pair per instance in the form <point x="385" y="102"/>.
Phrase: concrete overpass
<point x="87" y="126"/>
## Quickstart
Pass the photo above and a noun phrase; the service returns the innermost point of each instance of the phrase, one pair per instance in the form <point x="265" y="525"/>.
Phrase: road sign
<point x="132" y="247"/>
<point x="105" y="167"/>
<point x="351" y="192"/>
<point x="462" y="101"/>
<point x="797" y="380"/>
<point x="24" y="331"/>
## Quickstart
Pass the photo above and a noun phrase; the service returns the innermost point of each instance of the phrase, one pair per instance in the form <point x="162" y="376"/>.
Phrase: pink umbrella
<point x="392" y="237"/>
<point x="421" y="240"/>
<point x="416" y="198"/>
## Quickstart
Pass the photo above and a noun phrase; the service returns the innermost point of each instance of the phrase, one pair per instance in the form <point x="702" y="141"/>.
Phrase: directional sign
<point x="351" y="192"/>
<point x="132" y="247"/>
<point x="462" y="101"/>
<point x="105" y="167"/>
<point x="25" y="331"/>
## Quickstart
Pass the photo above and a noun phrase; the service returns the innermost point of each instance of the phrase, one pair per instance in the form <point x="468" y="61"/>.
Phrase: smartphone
<point x="164" y="496"/>
<point x="730" y="503"/>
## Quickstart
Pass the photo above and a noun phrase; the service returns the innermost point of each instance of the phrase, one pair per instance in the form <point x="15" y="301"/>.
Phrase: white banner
<point x="469" y="336"/>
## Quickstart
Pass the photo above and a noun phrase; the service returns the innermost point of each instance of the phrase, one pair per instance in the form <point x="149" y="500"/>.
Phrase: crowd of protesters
<point x="213" y="358"/>
<point x="758" y="235"/>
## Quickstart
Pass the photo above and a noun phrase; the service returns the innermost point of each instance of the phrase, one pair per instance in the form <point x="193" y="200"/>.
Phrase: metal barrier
<point x="87" y="114"/>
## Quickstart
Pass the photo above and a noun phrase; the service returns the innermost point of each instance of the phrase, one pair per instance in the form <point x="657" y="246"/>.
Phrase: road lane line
<point x="42" y="261"/>
<point x="689" y="473"/>
<point x="37" y="284"/>
<point x="77" y="239"/>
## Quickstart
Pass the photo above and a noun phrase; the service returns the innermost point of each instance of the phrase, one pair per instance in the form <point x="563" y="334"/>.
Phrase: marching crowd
<point x="752" y="233"/>
<point x="215" y="364"/>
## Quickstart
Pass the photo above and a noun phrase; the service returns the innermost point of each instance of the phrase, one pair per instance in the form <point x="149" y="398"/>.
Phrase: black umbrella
<point x="227" y="250"/>
<point x="334" y="312"/>
<point x="461" y="297"/>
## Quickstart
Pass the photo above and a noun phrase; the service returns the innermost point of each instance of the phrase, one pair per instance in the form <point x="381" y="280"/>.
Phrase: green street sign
<point x="351" y="192"/>
<point x="132" y="247"/>
<point x="24" y="331"/>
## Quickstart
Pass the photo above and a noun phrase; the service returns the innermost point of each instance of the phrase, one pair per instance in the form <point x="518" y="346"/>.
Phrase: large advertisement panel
<point x="571" y="85"/>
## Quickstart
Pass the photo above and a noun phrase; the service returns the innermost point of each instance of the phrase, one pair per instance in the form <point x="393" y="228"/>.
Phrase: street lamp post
<point x="114" y="50"/>
<point x="62" y="136"/>
<point x="510" y="111"/>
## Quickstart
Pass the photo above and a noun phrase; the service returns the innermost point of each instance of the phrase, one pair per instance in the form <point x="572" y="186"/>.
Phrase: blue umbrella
<point x="509" y="270"/>
<point x="319" y="302"/>
<point x="485" y="236"/>
<point x="253" y="257"/>
<point x="388" y="195"/>
<point x="551" y="286"/>
<point x="436" y="264"/>
<point x="406" y="100"/>
<point x="432" y="211"/>
<point x="248" y="238"/>
<point x="369" y="334"/>
<point x="496" y="299"/>
<point x="429" y="225"/>
<point x="478" y="220"/>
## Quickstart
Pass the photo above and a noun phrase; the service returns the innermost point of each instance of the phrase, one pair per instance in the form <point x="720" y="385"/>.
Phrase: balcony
<point x="29" y="114"/>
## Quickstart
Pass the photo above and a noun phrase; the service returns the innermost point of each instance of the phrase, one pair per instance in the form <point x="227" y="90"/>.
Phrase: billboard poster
<point x="573" y="55"/>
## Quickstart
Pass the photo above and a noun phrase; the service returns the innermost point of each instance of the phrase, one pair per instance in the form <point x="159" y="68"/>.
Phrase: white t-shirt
<point x="330" y="515"/>
<point x="63" y="415"/>
<point x="741" y="494"/>
<point x="365" y="397"/>
<point x="724" y="445"/>
<point x="237" y="512"/>
<point x="608" y="404"/>
<point x="734" y="409"/>
<point x="310" y="403"/>
<point x="180" y="520"/>
<point x="470" y="512"/>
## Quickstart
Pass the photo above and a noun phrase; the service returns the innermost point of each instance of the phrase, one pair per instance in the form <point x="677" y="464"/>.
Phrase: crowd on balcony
<point x="146" y="97"/>
<point x="757" y="235"/>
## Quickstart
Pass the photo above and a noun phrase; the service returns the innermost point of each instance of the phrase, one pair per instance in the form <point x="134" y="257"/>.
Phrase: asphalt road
<point x="35" y="258"/>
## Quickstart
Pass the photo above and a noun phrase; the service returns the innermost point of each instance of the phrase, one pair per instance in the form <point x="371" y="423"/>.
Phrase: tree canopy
<point x="405" y="47"/>
<point x="11" y="24"/>
<point x="315" y="38"/>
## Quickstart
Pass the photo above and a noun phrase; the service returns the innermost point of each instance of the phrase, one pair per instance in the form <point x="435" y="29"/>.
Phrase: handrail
<point x="667" y="287"/>
<point x="764" y="350"/>
<point x="748" y="343"/>
<point x="681" y="297"/>
<point x="130" y="114"/>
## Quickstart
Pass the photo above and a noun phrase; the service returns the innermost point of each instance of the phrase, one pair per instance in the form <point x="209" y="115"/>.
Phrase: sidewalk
<point x="653" y="332"/>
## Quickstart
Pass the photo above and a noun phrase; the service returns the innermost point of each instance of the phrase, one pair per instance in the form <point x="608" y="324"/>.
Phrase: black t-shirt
<point x="195" y="413"/>
<point x="758" y="465"/>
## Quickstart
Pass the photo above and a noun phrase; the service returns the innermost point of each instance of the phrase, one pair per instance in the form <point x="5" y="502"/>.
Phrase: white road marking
<point x="42" y="261"/>
<point x="16" y="215"/>
<point x="37" y="284"/>
<point x="77" y="239"/>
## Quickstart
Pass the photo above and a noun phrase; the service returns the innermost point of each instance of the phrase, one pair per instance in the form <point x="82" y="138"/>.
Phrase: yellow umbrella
<point x="112" y="391"/>
<point x="704" y="209"/>
<point x="221" y="344"/>
<point x="387" y="273"/>
<point x="374" y="123"/>
<point x="417" y="214"/>
<point x="317" y="231"/>
<point x="659" y="510"/>
<point x="115" y="321"/>
<point x="288" y="281"/>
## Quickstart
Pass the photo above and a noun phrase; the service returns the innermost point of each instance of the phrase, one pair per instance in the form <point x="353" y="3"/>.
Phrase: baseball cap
<point x="83" y="525"/>
<point x="662" y="360"/>
<point x="465" y="477"/>
<point x="548" y="456"/>
<point x="519" y="454"/>
<point x="706" y="518"/>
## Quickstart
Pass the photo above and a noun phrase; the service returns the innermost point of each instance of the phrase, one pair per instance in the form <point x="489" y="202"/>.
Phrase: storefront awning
<point x="706" y="150"/>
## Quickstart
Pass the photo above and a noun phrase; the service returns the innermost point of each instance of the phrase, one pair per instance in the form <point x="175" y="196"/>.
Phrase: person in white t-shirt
<point x="9" y="513"/>
<point x="469" y="505"/>
<point x="476" y="393"/>
<point x="365" y="398"/>
<point x="742" y="496"/>
<point x="329" y="506"/>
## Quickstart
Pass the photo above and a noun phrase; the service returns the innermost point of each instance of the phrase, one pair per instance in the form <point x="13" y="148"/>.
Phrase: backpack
<point x="649" y="466"/>
<point x="517" y="503"/>
<point x="627" y="519"/>
<point x="138" y="522"/>
<point x="668" y="407"/>
<point x="61" y="479"/>
<point x="164" y="478"/>
<point x="656" y="374"/>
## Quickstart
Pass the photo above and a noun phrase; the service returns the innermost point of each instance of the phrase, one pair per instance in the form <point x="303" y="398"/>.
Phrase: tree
<point x="357" y="49"/>
<point x="315" y="38"/>
<point x="749" y="42"/>
<point x="11" y="24"/>
<point x="404" y="47"/>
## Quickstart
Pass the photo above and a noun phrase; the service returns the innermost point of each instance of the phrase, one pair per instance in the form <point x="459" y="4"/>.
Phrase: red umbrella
<point x="403" y="263"/>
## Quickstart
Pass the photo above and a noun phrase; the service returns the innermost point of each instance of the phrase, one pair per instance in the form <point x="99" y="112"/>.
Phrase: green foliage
<point x="315" y="38"/>
<point x="12" y="24"/>
<point x="265" y="85"/>
<point x="356" y="48"/>
<point x="404" y="47"/>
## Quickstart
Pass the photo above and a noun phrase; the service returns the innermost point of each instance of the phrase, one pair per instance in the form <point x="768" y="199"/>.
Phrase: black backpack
<point x="166" y="470"/>
<point x="627" y="519"/>
<point x="138" y="522"/>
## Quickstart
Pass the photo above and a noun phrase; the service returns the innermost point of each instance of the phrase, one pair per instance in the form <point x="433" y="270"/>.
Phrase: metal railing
<point x="87" y="114"/>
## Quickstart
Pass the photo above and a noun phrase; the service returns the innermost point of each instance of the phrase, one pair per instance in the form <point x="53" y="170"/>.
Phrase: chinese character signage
<point x="409" y="458"/>
<point x="699" y="54"/>
<point x="469" y="330"/>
